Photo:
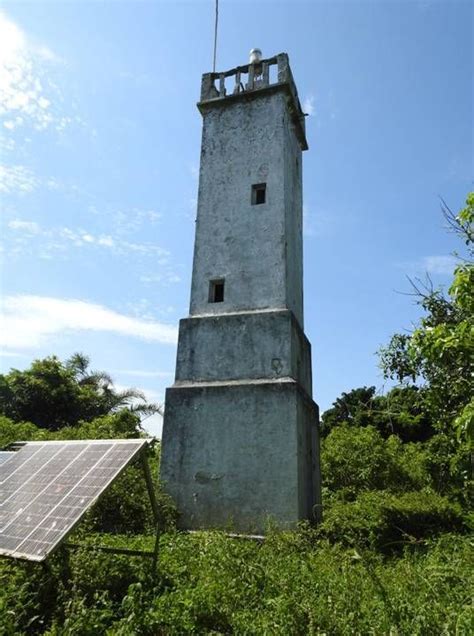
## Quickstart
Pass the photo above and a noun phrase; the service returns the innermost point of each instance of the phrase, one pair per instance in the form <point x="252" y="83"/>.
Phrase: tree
<point x="439" y="353"/>
<point x="53" y="394"/>
<point x="401" y="412"/>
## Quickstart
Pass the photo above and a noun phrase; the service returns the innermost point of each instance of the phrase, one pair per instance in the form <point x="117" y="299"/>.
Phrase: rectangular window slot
<point x="259" y="193"/>
<point x="216" y="291"/>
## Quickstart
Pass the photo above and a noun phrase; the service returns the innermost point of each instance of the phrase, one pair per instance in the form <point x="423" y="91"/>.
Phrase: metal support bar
<point x="104" y="548"/>
<point x="155" y="508"/>
<point x="156" y="550"/>
<point x="150" y="487"/>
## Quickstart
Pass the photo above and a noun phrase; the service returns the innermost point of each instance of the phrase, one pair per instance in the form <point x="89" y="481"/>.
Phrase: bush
<point x="11" y="431"/>
<point x="354" y="460"/>
<point x="385" y="521"/>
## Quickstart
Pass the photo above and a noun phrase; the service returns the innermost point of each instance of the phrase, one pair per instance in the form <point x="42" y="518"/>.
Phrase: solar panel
<point x="4" y="455"/>
<point x="46" y="488"/>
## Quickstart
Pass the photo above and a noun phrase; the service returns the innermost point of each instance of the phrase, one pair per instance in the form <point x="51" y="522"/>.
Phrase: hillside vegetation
<point x="393" y="554"/>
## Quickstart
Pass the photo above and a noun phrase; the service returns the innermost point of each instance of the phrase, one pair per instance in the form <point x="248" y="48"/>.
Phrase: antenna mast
<point x="215" y="37"/>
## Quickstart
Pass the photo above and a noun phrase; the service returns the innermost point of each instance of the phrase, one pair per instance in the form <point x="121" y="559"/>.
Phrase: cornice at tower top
<point x="251" y="81"/>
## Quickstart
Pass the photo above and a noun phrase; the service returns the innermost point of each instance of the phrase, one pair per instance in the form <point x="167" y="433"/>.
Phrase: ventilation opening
<point x="216" y="291"/>
<point x="259" y="192"/>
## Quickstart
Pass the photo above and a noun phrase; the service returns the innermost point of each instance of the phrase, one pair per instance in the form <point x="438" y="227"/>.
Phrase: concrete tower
<point x="240" y="436"/>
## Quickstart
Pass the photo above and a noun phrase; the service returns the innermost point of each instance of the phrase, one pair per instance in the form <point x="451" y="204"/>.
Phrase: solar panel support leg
<point x="150" y="487"/>
<point x="156" y="549"/>
<point x="154" y="506"/>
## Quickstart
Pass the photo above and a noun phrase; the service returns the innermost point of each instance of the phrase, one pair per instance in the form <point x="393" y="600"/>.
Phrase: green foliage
<point x="401" y="412"/>
<point x="11" y="431"/>
<point x="207" y="583"/>
<point x="354" y="460"/>
<point x="54" y="395"/>
<point x="440" y="350"/>
<point x="122" y="424"/>
<point x="353" y="408"/>
<point x="384" y="520"/>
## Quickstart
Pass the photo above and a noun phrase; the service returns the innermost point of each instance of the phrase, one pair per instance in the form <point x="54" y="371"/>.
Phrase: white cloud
<point x="144" y="374"/>
<point x="26" y="94"/>
<point x="152" y="424"/>
<point x="17" y="179"/>
<point x="131" y="220"/>
<point x="30" y="227"/>
<point x="12" y="354"/>
<point x="56" y="240"/>
<point x="106" y="241"/>
<point x="165" y="277"/>
<point x="439" y="264"/>
<point x="6" y="145"/>
<point x="308" y="105"/>
<point x="28" y="321"/>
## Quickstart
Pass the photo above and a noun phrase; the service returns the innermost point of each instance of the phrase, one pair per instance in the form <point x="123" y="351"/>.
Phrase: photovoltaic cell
<point x="46" y="487"/>
<point x="4" y="455"/>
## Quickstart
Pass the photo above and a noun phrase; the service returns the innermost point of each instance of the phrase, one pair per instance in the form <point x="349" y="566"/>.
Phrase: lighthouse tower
<point x="240" y="438"/>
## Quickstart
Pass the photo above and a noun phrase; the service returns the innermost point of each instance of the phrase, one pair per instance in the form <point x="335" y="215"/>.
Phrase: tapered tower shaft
<point x="240" y="438"/>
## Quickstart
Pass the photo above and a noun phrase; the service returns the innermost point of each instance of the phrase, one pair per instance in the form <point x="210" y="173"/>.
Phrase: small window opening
<point x="216" y="291"/>
<point x="259" y="191"/>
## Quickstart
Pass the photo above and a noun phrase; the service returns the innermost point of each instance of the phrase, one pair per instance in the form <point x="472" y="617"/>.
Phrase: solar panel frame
<point x="74" y="500"/>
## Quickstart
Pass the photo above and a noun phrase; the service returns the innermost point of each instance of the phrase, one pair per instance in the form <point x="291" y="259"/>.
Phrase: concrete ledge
<point x="243" y="346"/>
<point x="297" y="116"/>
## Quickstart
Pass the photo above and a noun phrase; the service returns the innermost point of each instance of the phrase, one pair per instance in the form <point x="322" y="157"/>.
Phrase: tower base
<point x="239" y="455"/>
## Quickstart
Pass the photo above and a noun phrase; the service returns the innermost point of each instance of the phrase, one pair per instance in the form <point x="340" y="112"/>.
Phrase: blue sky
<point x="100" y="141"/>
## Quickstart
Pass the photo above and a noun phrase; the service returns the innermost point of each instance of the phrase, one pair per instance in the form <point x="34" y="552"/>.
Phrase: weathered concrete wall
<point x="263" y="344"/>
<point x="239" y="454"/>
<point x="293" y="220"/>
<point x="244" y="143"/>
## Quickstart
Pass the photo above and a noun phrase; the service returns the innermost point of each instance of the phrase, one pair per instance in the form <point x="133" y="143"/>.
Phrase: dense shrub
<point x="359" y="459"/>
<point x="11" y="431"/>
<point x="384" y="520"/>
<point x="402" y="412"/>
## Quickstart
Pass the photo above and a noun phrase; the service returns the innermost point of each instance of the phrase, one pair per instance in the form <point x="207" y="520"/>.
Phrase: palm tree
<point x="110" y="399"/>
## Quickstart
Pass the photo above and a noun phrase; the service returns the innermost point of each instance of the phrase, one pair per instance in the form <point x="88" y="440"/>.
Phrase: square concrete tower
<point x="240" y="437"/>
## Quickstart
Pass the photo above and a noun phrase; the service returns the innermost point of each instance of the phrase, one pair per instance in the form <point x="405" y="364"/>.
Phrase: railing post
<point x="237" y="83"/>
<point x="265" y="74"/>
<point x="283" y="67"/>
<point x="221" y="85"/>
<point x="251" y="81"/>
<point x="208" y="90"/>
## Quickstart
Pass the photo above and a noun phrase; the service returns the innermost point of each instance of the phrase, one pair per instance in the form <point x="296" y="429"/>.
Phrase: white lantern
<point x="255" y="56"/>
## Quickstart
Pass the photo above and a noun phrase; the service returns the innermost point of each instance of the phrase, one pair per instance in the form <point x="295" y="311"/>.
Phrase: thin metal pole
<point x="215" y="37"/>
<point x="156" y="550"/>
<point x="150" y="487"/>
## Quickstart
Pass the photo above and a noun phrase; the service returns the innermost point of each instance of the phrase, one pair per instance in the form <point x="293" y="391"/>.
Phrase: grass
<point x="208" y="583"/>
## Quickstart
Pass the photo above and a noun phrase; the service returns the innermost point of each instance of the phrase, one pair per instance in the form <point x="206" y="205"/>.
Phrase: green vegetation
<point x="53" y="394"/>
<point x="294" y="583"/>
<point x="393" y="554"/>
